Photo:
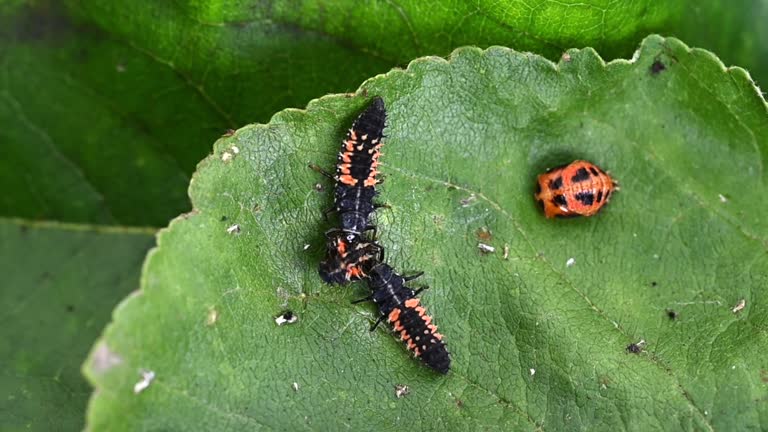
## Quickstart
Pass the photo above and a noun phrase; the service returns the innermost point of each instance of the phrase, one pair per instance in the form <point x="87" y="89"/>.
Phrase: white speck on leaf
<point x="287" y="317"/>
<point x="566" y="57"/>
<point x="306" y="246"/>
<point x="147" y="376"/>
<point x="234" y="229"/>
<point x="532" y="371"/>
<point x="570" y="262"/>
<point x="506" y="251"/>
<point x="722" y="197"/>
<point x="226" y="156"/>
<point x="740" y="306"/>
<point x="486" y="248"/>
<point x="213" y="316"/>
<point x="401" y="390"/>
<point x="104" y="359"/>
<point x="295" y="386"/>
<point x="235" y="150"/>
<point x="120" y="67"/>
<point x="468" y="200"/>
<point x="655" y="256"/>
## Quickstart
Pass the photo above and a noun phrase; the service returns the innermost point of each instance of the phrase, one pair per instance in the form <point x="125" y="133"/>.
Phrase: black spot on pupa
<point x="538" y="188"/>
<point x="559" y="200"/>
<point x="657" y="67"/>
<point x="581" y="175"/>
<point x="556" y="183"/>
<point x="599" y="196"/>
<point x="586" y="198"/>
<point x="594" y="171"/>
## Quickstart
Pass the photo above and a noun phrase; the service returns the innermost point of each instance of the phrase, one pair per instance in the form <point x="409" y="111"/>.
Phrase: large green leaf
<point x="59" y="284"/>
<point x="91" y="128"/>
<point x="536" y="344"/>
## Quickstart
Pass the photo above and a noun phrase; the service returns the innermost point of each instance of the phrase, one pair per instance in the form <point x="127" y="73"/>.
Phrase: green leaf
<point x="91" y="128"/>
<point x="59" y="283"/>
<point x="535" y="344"/>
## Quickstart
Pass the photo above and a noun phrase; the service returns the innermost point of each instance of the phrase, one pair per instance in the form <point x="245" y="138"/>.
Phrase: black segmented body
<point x="399" y="306"/>
<point x="348" y="252"/>
<point x="356" y="168"/>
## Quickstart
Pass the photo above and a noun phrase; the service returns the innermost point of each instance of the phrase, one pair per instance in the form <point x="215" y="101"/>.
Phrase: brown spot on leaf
<point x="484" y="234"/>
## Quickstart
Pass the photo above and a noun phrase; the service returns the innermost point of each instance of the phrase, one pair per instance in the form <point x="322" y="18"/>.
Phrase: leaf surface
<point x="536" y="344"/>
<point x="59" y="284"/>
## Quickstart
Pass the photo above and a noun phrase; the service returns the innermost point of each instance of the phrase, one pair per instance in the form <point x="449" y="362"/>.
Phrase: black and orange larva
<point x="399" y="306"/>
<point x="357" y="168"/>
<point x="356" y="180"/>
<point x="348" y="259"/>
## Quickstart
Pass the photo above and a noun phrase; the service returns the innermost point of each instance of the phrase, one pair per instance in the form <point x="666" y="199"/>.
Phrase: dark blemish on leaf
<point x="671" y="314"/>
<point x="764" y="375"/>
<point x="229" y="132"/>
<point x="459" y="403"/>
<point x="635" y="348"/>
<point x="581" y="175"/>
<point x="653" y="284"/>
<point x="23" y="229"/>
<point x="587" y="198"/>
<point x="605" y="381"/>
<point x="70" y="308"/>
<point x="451" y="188"/>
<point x="43" y="21"/>
<point x="223" y="218"/>
<point x="657" y="67"/>
<point x="556" y="183"/>
<point x="287" y="317"/>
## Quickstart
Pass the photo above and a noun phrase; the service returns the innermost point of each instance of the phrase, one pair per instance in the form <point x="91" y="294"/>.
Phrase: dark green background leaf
<point x="536" y="344"/>
<point x="735" y="30"/>
<point x="59" y="284"/>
